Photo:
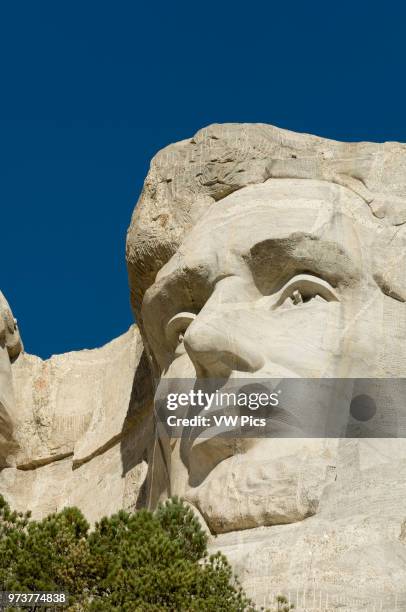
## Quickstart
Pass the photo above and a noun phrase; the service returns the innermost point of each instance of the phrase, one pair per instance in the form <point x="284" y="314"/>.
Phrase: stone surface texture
<point x="79" y="430"/>
<point x="253" y="253"/>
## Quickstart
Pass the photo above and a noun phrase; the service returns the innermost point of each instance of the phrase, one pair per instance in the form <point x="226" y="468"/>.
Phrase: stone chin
<point x="263" y="485"/>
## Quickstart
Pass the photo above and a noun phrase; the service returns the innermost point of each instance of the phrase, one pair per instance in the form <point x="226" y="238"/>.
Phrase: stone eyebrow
<point x="274" y="261"/>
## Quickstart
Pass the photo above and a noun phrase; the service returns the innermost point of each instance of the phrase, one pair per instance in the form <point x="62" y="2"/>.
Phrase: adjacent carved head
<point x="9" y="333"/>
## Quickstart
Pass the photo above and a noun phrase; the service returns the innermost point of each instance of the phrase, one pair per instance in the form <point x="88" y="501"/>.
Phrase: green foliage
<point x="42" y="555"/>
<point x="142" y="562"/>
<point x="283" y="604"/>
<point x="179" y="522"/>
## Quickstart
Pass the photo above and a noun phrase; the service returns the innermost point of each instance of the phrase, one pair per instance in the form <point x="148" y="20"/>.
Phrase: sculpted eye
<point x="177" y="326"/>
<point x="302" y="289"/>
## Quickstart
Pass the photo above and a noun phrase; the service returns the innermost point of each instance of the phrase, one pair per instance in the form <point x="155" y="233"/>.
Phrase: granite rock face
<point x="254" y="253"/>
<point x="79" y="430"/>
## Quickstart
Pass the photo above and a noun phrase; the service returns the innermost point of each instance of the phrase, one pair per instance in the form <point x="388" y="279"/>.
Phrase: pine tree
<point x="141" y="562"/>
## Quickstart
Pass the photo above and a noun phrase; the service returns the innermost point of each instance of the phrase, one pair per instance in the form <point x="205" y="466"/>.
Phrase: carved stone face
<point x="289" y="278"/>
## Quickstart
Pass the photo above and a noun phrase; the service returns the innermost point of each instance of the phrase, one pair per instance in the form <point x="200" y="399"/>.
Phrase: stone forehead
<point x="275" y="209"/>
<point x="187" y="177"/>
<point x="275" y="195"/>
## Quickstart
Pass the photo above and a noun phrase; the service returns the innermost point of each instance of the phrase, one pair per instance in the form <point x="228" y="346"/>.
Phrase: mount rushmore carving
<point x="253" y="253"/>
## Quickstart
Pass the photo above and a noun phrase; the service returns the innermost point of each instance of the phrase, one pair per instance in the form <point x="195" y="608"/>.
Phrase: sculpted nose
<point x="217" y="347"/>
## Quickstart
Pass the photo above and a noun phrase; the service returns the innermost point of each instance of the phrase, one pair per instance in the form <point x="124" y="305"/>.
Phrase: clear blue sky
<point x="91" y="90"/>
